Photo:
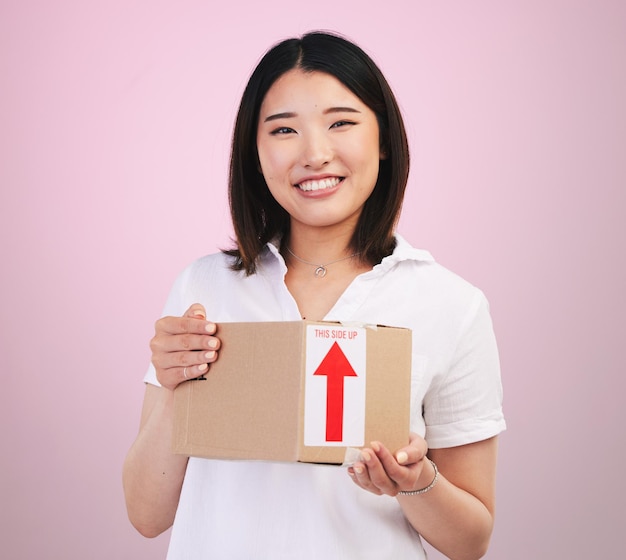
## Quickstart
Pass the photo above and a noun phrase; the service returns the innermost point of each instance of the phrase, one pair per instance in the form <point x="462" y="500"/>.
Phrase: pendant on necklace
<point x="320" y="272"/>
<point x="320" y="269"/>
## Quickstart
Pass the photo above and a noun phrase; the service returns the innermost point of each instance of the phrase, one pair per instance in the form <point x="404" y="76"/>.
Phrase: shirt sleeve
<point x="465" y="404"/>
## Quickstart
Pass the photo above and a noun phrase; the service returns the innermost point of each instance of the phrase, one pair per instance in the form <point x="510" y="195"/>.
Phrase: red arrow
<point x="335" y="366"/>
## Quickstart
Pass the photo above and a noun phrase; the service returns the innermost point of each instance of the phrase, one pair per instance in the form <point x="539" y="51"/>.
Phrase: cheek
<point x="271" y="162"/>
<point x="270" y="167"/>
<point x="366" y="149"/>
<point x="369" y="163"/>
<point x="268" y="171"/>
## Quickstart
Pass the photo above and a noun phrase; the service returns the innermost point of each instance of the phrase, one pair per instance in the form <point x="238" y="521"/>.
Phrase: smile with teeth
<point x="319" y="185"/>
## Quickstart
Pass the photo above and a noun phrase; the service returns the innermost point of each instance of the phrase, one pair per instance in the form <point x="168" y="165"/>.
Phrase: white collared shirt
<point x="250" y="509"/>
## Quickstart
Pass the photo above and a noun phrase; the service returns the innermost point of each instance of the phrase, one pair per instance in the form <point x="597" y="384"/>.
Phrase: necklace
<point x="320" y="269"/>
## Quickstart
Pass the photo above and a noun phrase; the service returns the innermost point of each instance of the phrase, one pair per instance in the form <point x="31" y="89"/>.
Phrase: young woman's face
<point x="319" y="149"/>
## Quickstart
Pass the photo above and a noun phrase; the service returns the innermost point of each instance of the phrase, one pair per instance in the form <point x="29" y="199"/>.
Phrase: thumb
<point x="414" y="452"/>
<point x="197" y="311"/>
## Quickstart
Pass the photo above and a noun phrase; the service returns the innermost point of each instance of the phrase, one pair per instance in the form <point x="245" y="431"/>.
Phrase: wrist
<point x="431" y="475"/>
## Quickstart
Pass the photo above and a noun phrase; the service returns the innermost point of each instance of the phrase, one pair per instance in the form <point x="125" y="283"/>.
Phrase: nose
<point x="316" y="151"/>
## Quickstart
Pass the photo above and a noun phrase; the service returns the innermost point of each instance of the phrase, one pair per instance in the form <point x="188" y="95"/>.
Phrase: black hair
<point x="256" y="216"/>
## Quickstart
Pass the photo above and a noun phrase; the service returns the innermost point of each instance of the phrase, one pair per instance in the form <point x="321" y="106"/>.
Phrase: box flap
<point x="248" y="405"/>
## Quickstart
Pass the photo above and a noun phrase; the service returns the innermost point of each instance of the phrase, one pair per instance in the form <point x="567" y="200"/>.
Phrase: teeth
<point x="319" y="185"/>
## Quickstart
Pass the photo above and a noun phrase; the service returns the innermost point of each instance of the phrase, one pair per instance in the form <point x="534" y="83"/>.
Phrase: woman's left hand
<point x="380" y="472"/>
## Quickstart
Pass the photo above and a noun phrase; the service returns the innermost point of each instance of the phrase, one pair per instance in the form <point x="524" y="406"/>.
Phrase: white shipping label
<point x="334" y="398"/>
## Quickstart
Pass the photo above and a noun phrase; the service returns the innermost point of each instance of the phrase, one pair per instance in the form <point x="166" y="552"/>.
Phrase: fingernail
<point x="375" y="446"/>
<point x="365" y="456"/>
<point x="212" y="343"/>
<point x="358" y="470"/>
<point x="402" y="457"/>
<point x="199" y="315"/>
<point x="209" y="355"/>
<point x="210" y="328"/>
<point x="203" y="367"/>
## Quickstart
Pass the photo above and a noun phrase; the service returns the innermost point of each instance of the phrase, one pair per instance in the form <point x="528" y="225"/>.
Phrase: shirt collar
<point x="273" y="247"/>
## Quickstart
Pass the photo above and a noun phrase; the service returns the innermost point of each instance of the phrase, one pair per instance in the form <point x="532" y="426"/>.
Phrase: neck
<point x="320" y="245"/>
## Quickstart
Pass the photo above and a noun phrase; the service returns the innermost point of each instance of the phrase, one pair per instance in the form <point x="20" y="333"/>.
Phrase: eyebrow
<point x="326" y="112"/>
<point x="279" y="116"/>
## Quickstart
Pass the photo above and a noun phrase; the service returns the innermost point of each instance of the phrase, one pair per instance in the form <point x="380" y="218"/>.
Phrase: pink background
<point x="115" y="120"/>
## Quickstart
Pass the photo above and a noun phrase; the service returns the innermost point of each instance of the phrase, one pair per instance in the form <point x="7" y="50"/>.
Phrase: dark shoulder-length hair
<point x="256" y="216"/>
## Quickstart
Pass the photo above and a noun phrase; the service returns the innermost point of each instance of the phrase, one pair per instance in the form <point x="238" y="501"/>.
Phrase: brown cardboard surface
<point x="251" y="404"/>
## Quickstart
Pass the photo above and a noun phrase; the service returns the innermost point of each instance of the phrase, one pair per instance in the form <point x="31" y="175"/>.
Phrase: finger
<point x="360" y="475"/>
<point x="170" y="360"/>
<point x="184" y="342"/>
<point x="353" y="476"/>
<point x="184" y="325"/>
<point x="411" y="454"/>
<point x="172" y="377"/>
<point x="388" y="461"/>
<point x="414" y="452"/>
<point x="194" y="371"/>
<point x="196" y="310"/>
<point x="402" y="476"/>
<point x="377" y="470"/>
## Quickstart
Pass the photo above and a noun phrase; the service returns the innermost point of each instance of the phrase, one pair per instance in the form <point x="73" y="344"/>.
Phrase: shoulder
<point x="213" y="261"/>
<point x="418" y="275"/>
<point x="213" y="265"/>
<point x="221" y="265"/>
<point x="198" y="280"/>
<point x="227" y="294"/>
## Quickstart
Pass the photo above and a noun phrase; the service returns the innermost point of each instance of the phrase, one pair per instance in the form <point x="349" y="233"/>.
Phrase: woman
<point x="318" y="170"/>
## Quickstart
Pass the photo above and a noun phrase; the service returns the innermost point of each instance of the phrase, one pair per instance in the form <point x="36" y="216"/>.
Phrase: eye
<point x="282" y="130"/>
<point x="340" y="124"/>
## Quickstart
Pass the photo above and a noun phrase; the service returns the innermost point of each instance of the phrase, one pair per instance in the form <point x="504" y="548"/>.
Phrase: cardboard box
<point x="297" y="391"/>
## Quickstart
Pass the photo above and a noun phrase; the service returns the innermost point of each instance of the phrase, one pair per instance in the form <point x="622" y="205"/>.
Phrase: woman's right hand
<point x="183" y="347"/>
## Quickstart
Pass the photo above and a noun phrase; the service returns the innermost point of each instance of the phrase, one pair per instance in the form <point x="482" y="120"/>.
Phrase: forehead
<point x="299" y="88"/>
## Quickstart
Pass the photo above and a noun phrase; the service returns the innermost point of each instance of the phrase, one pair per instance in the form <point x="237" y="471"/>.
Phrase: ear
<point x="383" y="152"/>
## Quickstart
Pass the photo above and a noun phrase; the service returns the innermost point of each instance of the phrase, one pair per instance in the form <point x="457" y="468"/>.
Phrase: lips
<point x="319" y="184"/>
